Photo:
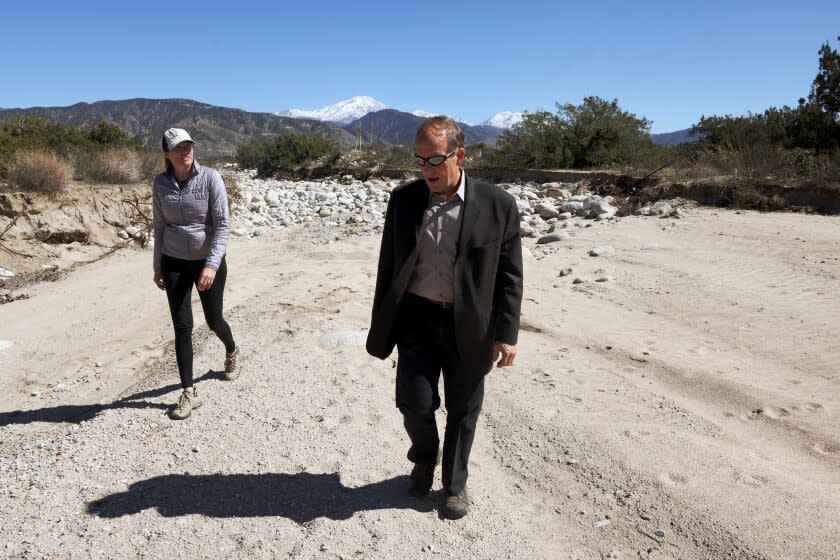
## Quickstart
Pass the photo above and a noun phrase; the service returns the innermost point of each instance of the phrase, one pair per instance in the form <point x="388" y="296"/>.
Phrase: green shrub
<point x="287" y="152"/>
<point x="595" y="134"/>
<point x="39" y="171"/>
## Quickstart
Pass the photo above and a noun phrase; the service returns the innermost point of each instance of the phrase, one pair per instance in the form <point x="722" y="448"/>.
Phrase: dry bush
<point x="39" y="171"/>
<point x="152" y="163"/>
<point x="234" y="192"/>
<point x="118" y="165"/>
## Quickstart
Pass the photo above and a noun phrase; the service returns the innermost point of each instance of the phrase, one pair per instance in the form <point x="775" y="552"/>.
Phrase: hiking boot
<point x="185" y="405"/>
<point x="421" y="479"/>
<point x="232" y="365"/>
<point x="456" y="506"/>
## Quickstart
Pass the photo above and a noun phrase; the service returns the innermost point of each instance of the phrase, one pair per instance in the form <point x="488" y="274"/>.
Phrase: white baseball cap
<point x="174" y="136"/>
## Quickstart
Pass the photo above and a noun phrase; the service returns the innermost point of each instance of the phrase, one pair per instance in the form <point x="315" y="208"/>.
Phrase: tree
<point x="595" y="133"/>
<point x="825" y="91"/>
<point x="600" y="133"/>
<point x="536" y="141"/>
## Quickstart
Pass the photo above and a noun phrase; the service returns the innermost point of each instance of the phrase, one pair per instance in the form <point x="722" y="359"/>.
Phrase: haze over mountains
<point x="219" y="130"/>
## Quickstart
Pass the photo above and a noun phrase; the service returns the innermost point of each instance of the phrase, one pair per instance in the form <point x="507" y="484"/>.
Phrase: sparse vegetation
<point x="39" y="171"/>
<point x="801" y="143"/>
<point x="286" y="152"/>
<point x="100" y="153"/>
<point x="120" y="165"/>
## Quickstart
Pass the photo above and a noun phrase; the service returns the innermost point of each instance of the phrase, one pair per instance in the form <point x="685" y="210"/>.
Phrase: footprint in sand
<point x="334" y="340"/>
<point x="673" y="479"/>
<point x="753" y="481"/>
<point x="776" y="413"/>
<point x="826" y="448"/>
<point x="769" y="412"/>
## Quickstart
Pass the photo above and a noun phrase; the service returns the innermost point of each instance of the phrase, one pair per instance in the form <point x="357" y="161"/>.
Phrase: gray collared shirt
<point x="190" y="222"/>
<point x="437" y="245"/>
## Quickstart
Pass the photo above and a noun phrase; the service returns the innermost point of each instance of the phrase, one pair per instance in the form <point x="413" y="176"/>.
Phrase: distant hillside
<point x="218" y="130"/>
<point x="673" y="138"/>
<point x="390" y="126"/>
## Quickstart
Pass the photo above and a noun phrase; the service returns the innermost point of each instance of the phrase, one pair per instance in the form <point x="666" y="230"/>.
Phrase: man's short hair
<point x="454" y="135"/>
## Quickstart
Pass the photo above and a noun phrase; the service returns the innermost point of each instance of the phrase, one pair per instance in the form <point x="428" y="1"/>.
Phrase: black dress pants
<point x="179" y="276"/>
<point x="426" y="346"/>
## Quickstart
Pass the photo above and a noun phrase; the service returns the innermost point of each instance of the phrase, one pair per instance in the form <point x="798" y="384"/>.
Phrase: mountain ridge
<point x="217" y="130"/>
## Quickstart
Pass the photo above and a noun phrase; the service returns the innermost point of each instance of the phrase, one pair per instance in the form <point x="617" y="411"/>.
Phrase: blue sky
<point x="670" y="62"/>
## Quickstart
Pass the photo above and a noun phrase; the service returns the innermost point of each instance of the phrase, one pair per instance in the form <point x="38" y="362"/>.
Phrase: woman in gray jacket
<point x="191" y="227"/>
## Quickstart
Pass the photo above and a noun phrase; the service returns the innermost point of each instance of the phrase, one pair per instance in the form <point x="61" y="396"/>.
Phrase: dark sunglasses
<point x="434" y="161"/>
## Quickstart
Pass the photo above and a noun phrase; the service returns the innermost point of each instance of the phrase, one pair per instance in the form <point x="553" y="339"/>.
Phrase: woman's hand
<point x="205" y="279"/>
<point x="159" y="280"/>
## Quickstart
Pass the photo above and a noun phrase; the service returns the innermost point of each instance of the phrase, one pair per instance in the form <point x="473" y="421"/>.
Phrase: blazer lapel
<point x="472" y="211"/>
<point x="418" y="208"/>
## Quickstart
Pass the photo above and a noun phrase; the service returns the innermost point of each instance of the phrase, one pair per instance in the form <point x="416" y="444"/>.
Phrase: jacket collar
<point x="471" y="210"/>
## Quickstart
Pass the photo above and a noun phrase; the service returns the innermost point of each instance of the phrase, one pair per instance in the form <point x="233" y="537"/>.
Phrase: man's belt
<point x="440" y="304"/>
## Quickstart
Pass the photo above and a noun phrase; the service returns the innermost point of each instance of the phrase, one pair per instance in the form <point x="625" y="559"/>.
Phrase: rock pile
<point x="268" y="204"/>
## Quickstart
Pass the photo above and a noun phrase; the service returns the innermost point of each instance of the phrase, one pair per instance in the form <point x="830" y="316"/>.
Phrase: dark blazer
<point x="488" y="271"/>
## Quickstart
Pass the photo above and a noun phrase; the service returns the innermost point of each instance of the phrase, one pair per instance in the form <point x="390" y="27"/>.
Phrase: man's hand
<point x="205" y="279"/>
<point x="504" y="353"/>
<point x="159" y="281"/>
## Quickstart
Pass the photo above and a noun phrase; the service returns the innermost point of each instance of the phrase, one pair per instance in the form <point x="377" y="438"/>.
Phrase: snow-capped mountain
<point x="505" y="119"/>
<point x="349" y="110"/>
<point x="342" y="112"/>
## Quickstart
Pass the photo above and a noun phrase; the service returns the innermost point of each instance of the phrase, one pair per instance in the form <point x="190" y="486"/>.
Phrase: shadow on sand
<point x="81" y="412"/>
<point x="300" y="497"/>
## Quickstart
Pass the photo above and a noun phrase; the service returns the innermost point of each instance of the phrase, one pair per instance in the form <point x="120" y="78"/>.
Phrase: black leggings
<point x="178" y="277"/>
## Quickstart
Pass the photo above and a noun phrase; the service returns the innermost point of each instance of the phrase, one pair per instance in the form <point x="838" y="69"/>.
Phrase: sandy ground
<point x="688" y="408"/>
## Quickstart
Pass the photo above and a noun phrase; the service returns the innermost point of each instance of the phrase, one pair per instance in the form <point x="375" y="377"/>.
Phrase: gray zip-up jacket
<point x="193" y="222"/>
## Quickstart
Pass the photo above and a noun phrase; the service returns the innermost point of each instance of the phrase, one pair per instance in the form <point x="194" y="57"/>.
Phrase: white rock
<point x="525" y="229"/>
<point x="660" y="208"/>
<point x="523" y="207"/>
<point x="6" y="273"/>
<point x="603" y="250"/>
<point x="4" y="344"/>
<point x="599" y="207"/>
<point x="573" y="207"/>
<point x="546" y="211"/>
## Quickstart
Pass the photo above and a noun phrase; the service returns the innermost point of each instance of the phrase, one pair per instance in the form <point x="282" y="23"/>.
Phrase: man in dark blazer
<point x="448" y="295"/>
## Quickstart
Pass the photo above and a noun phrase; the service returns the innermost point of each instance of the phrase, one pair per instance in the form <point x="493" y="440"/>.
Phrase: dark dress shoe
<point x="456" y="506"/>
<point x="421" y="480"/>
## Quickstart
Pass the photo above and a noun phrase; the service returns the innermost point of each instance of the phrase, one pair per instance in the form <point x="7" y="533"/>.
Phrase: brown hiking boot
<point x="185" y="405"/>
<point x="421" y="479"/>
<point x="232" y="365"/>
<point x="456" y="506"/>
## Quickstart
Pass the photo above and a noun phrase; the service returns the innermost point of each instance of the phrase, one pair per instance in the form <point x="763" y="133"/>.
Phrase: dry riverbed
<point x="684" y="406"/>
